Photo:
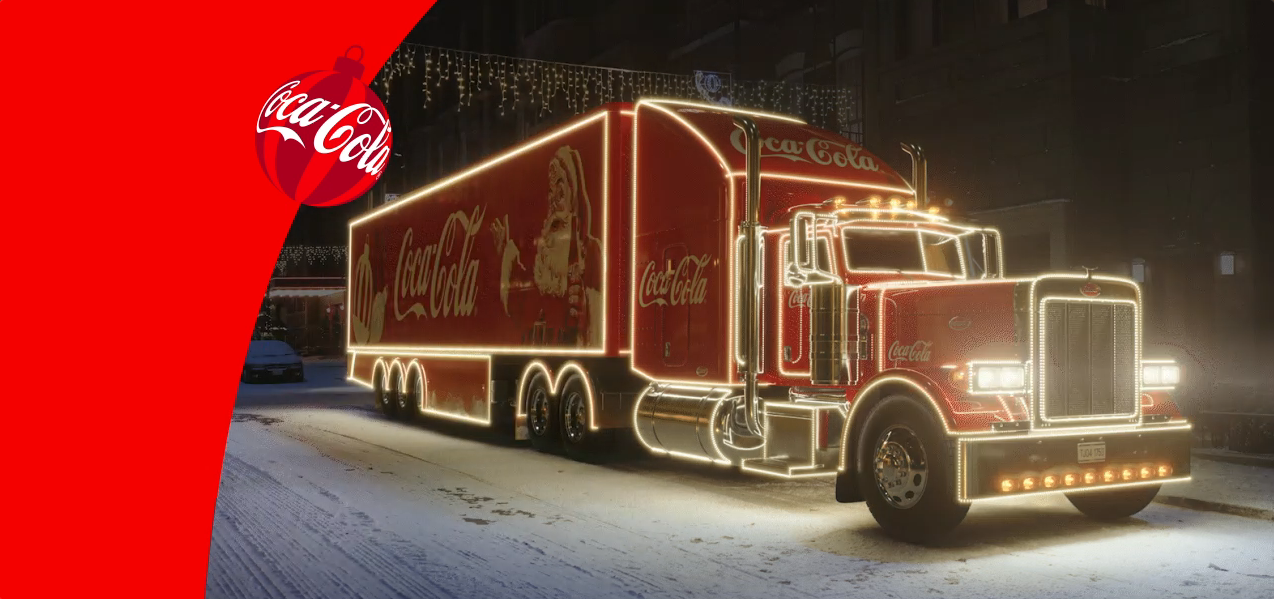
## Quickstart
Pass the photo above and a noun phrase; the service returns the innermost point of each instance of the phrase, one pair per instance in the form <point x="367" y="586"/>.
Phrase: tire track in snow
<point x="290" y="547"/>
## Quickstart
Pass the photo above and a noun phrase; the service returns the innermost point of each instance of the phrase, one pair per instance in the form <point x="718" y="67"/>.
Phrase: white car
<point x="272" y="359"/>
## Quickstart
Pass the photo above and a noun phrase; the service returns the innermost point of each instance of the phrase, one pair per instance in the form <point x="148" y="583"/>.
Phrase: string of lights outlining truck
<point x="742" y="289"/>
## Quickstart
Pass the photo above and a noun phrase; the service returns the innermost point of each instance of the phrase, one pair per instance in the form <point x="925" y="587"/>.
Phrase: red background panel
<point x="132" y="193"/>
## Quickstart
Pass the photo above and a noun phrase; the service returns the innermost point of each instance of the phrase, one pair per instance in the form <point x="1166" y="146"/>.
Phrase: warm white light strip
<point x="555" y="386"/>
<point x="836" y="182"/>
<point x="517" y="151"/>
<point x="725" y="109"/>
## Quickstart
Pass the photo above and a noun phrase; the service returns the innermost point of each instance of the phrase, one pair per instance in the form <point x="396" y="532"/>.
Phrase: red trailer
<point x="739" y="288"/>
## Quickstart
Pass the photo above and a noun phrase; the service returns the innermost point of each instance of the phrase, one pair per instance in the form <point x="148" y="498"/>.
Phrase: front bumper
<point x="1013" y="465"/>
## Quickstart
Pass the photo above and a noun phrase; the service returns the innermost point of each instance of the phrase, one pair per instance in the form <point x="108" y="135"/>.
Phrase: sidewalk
<point x="1222" y="486"/>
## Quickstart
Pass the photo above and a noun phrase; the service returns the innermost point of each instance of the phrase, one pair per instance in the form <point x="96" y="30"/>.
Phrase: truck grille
<point x="1088" y="360"/>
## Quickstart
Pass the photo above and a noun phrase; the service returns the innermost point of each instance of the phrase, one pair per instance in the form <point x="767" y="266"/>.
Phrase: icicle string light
<point x="542" y="86"/>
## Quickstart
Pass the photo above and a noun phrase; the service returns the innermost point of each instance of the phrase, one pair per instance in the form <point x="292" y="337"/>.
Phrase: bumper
<point x="1039" y="463"/>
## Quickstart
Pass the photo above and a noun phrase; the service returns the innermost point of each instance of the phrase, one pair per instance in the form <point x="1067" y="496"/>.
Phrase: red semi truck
<point x="744" y="290"/>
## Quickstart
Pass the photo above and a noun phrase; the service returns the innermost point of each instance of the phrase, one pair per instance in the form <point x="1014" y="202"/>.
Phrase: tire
<point x="580" y="442"/>
<point x="409" y="403"/>
<point x="386" y="399"/>
<point x="914" y="502"/>
<point x="1109" y="506"/>
<point x="542" y="421"/>
<point x="244" y="377"/>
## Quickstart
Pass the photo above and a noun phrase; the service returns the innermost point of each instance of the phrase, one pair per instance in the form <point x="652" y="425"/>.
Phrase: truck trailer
<point x="741" y="289"/>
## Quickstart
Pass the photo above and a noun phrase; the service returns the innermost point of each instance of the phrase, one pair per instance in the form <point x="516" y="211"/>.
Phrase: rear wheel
<point x="387" y="397"/>
<point x="410" y="402"/>
<point x="578" y="437"/>
<point x="905" y="473"/>
<point x="542" y="417"/>
<point x="1113" y="505"/>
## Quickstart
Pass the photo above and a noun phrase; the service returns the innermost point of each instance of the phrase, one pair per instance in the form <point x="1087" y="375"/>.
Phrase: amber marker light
<point x="1108" y="476"/>
<point x="1090" y="477"/>
<point x="1128" y="474"/>
<point x="1028" y="483"/>
<point x="1050" y="482"/>
<point x="1069" y="480"/>
<point x="1165" y="470"/>
<point x="1006" y="485"/>
<point x="1147" y="472"/>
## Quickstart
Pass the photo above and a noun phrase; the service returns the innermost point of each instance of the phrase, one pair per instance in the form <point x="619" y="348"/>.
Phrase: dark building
<point x="1123" y="135"/>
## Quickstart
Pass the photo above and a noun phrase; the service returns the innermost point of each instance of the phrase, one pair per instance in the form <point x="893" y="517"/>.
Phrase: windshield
<point x="269" y="348"/>
<point x="901" y="250"/>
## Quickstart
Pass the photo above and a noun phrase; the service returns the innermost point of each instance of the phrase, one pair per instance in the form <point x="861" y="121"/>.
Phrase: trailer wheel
<point x="387" y="396"/>
<point x="409" y="403"/>
<point x="905" y="473"/>
<point x="1113" y="505"/>
<point x="541" y="417"/>
<point x="580" y="441"/>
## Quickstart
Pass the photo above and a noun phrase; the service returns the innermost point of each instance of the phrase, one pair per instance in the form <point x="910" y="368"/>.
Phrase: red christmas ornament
<point x="323" y="137"/>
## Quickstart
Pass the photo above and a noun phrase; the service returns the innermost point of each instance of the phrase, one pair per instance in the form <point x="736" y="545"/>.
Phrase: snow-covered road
<point x="332" y="500"/>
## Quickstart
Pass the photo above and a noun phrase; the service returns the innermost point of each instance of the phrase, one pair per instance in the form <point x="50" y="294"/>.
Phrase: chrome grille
<point x="1088" y="359"/>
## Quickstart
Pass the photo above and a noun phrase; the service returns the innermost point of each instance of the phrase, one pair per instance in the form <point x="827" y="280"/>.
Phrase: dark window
<point x="883" y="250"/>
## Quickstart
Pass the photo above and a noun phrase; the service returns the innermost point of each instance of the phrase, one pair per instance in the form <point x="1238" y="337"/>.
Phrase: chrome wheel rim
<point x="902" y="472"/>
<point x="539" y="412"/>
<point x="575" y="415"/>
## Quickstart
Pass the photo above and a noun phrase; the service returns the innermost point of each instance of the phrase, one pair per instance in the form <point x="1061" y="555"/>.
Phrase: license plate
<point x="278" y="371"/>
<point x="1092" y="452"/>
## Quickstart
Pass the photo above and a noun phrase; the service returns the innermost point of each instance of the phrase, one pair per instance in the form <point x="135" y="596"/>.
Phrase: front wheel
<point x="1113" y="505"/>
<point x="905" y="472"/>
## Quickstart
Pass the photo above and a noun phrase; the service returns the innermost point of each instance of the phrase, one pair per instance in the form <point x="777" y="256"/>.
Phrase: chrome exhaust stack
<point x="750" y="303"/>
<point x="919" y="173"/>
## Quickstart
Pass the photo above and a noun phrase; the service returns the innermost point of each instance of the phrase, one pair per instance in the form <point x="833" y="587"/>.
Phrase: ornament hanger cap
<point x="350" y="66"/>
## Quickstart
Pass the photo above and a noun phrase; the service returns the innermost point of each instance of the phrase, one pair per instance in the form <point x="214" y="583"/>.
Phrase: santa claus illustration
<point x="568" y="255"/>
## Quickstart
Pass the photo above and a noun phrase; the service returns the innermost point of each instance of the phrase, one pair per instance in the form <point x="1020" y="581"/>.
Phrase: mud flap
<point x="847" y="487"/>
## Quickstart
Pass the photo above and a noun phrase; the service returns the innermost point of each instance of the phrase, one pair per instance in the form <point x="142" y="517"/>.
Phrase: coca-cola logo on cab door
<point x="682" y="284"/>
<point x="323" y="137"/>
<point x="916" y="352"/>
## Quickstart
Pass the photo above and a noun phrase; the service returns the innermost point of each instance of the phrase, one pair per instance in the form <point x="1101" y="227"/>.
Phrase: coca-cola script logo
<point x="443" y="274"/>
<point x="682" y="285"/>
<point x="812" y="150"/>
<point x="916" y="352"/>
<point x="798" y="298"/>
<point x="1090" y="289"/>
<point x="323" y="138"/>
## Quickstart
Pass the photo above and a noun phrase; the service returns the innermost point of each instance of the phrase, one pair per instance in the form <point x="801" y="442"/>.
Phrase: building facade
<point x="1126" y="136"/>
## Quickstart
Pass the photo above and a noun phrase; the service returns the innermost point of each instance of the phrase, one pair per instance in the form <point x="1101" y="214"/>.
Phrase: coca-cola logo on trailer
<point x="323" y="138"/>
<point x="444" y="274"/>
<point x="916" y="352"/>
<point x="812" y="150"/>
<point x="681" y="285"/>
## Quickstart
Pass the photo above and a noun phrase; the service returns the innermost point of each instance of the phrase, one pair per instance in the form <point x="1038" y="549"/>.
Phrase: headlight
<point x="1160" y="374"/>
<point x="997" y="377"/>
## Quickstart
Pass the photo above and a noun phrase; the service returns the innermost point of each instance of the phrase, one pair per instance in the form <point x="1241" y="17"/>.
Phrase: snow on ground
<point x="335" y="501"/>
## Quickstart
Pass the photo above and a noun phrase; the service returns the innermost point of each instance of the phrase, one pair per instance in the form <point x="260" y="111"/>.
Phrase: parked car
<point x="272" y="359"/>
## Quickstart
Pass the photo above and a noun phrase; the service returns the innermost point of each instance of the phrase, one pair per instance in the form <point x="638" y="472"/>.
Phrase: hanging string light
<point x="579" y="88"/>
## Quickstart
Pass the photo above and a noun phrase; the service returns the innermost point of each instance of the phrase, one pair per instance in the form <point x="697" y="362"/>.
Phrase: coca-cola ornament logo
<point x="323" y="137"/>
